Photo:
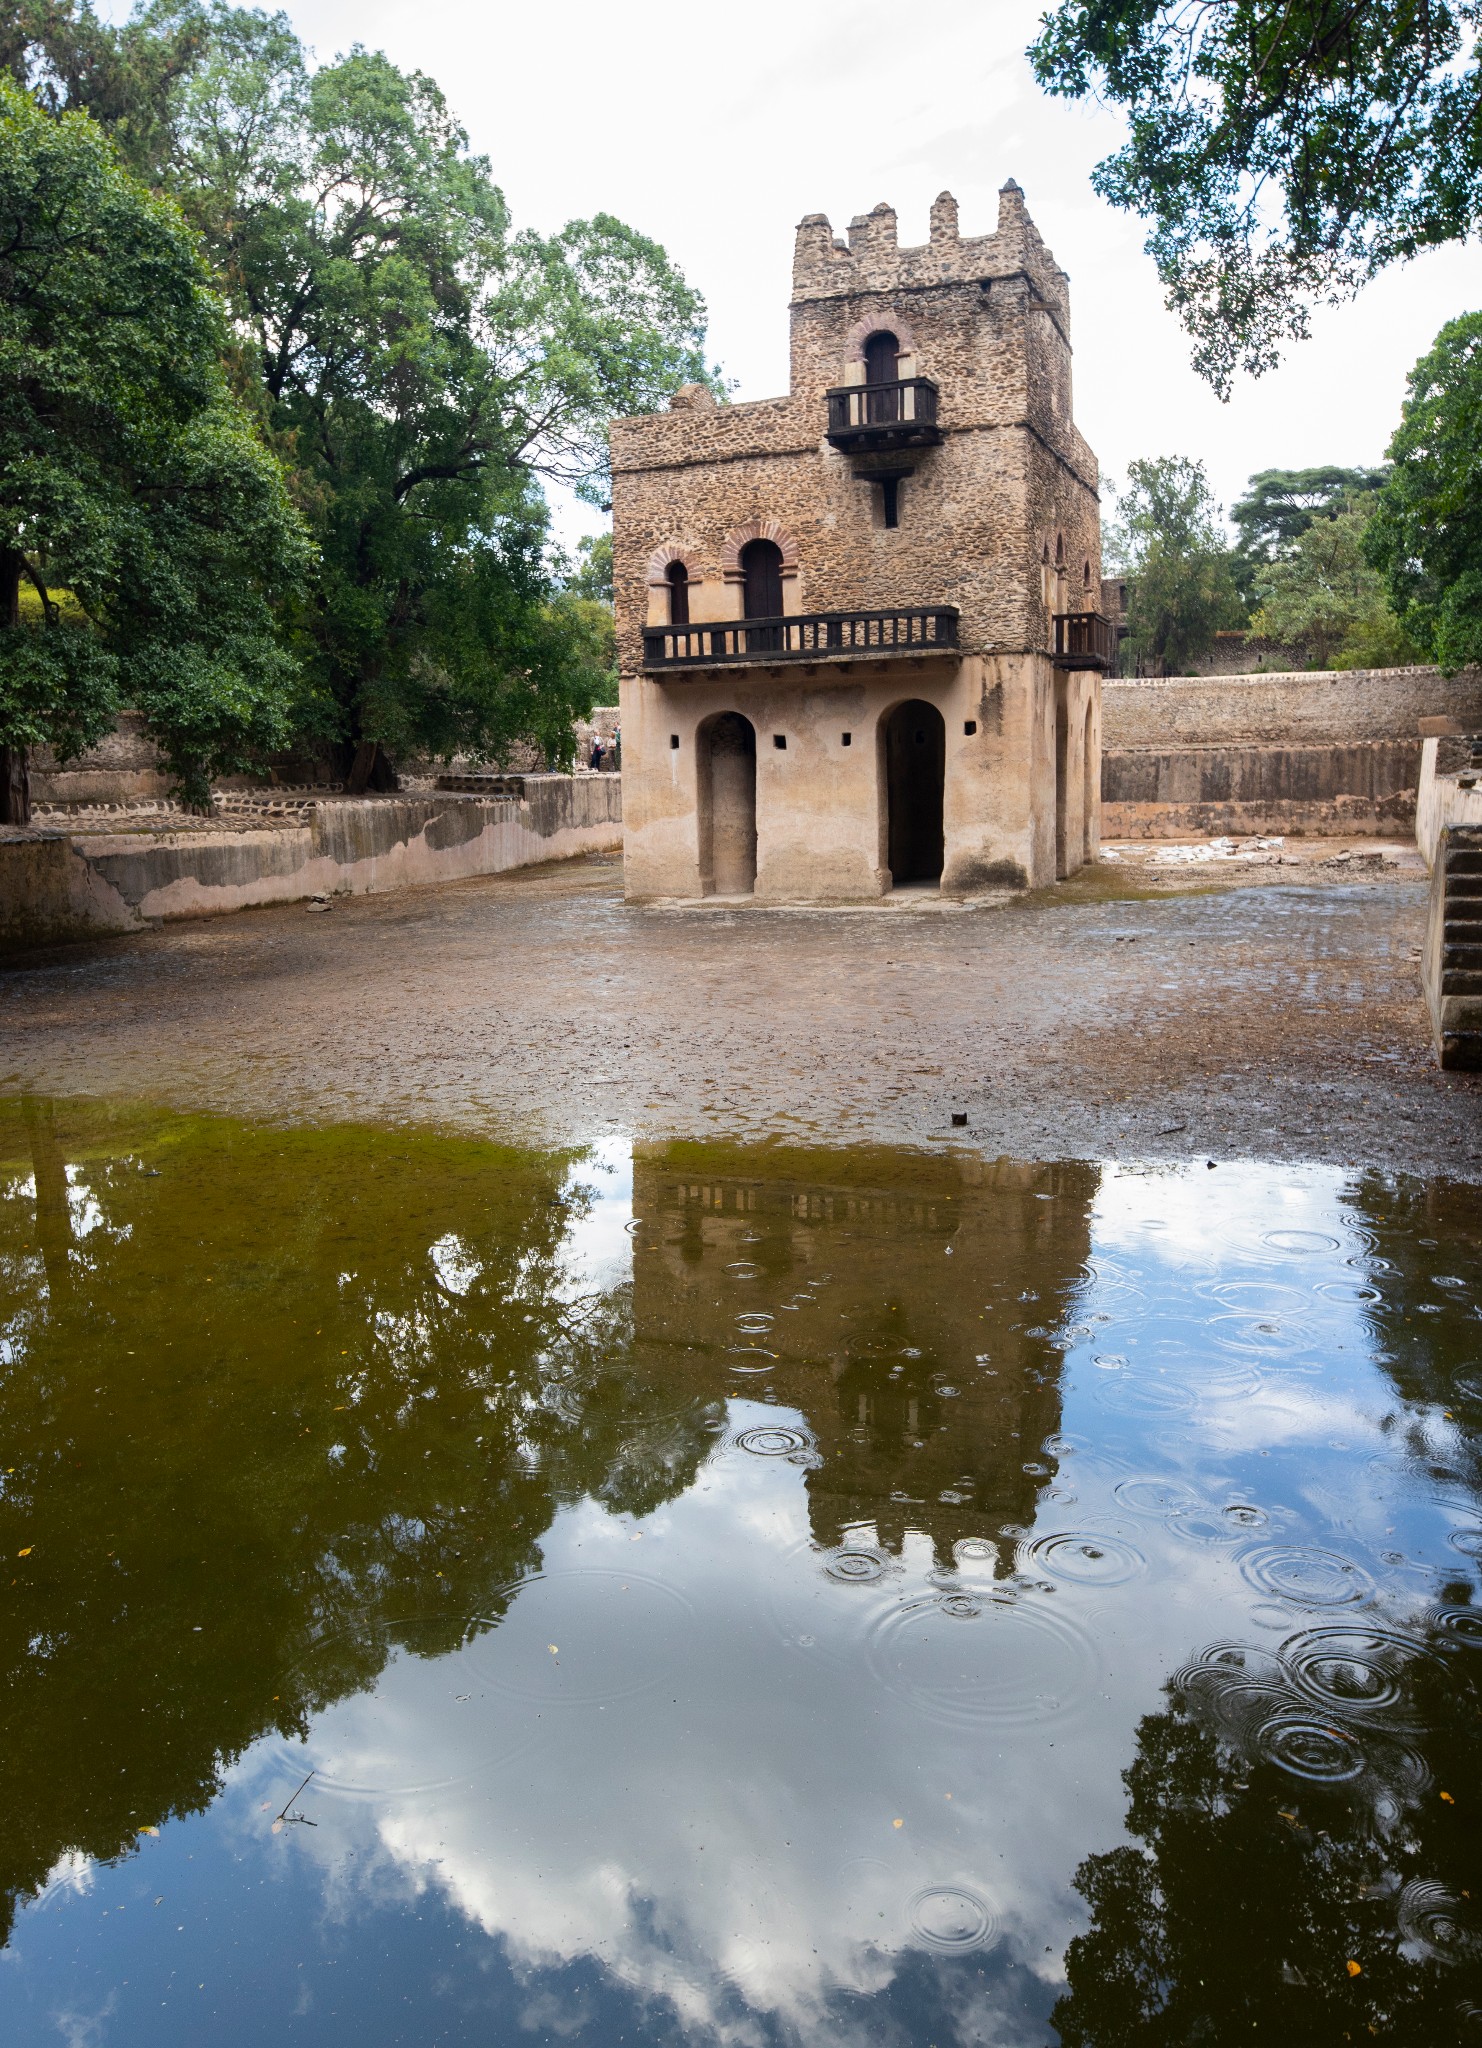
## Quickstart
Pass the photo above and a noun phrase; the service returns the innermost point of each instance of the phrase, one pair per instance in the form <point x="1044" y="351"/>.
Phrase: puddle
<point x="458" y="1594"/>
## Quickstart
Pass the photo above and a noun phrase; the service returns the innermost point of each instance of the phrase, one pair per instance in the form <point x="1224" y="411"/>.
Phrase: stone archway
<point x="915" y="741"/>
<point x="727" y="793"/>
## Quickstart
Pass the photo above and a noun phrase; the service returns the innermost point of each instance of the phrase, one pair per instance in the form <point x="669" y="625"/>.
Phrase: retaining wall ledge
<point x="57" y="886"/>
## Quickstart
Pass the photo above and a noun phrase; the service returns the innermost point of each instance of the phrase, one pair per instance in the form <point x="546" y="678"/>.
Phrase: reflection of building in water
<point x="909" y="1308"/>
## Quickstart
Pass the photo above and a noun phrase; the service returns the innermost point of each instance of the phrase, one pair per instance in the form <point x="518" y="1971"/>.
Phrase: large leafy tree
<point x="1283" y="151"/>
<point x="1167" y="541"/>
<point x="1323" y="594"/>
<point x="1281" y="504"/>
<point x="424" y="367"/>
<point x="1427" y="533"/>
<point x="143" y="525"/>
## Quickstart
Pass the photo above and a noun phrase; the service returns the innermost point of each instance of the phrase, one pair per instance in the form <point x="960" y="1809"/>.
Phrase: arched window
<point x="678" y="579"/>
<point x="881" y="353"/>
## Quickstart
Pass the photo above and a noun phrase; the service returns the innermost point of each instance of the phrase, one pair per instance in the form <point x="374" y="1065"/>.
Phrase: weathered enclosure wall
<point x="57" y="886"/>
<point x="1326" y="752"/>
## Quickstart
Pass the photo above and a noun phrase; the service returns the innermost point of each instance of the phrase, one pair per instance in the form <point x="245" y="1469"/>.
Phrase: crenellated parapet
<point x="826" y="266"/>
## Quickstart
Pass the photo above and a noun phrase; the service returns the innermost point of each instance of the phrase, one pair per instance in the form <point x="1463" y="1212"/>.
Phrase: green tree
<point x="131" y="482"/>
<point x="424" y="367"/>
<point x="70" y="61"/>
<point x="1283" y="154"/>
<point x="1324" y="595"/>
<point x="1166" y="540"/>
<point x="1280" y="504"/>
<point x="1427" y="532"/>
<point x="592" y="575"/>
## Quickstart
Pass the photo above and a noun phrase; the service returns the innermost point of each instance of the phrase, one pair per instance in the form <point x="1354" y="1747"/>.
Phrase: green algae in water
<point x="721" y="1594"/>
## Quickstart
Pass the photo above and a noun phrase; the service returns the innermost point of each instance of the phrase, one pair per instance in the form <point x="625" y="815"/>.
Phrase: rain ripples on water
<point x="660" y="1597"/>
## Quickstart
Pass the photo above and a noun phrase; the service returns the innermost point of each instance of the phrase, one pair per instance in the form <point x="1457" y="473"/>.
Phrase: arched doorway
<point x="677" y="576"/>
<point x="761" y="568"/>
<point x="1092" y="793"/>
<point x="915" y="775"/>
<point x="727" y="750"/>
<point x="882" y="368"/>
<point x="1062" y="780"/>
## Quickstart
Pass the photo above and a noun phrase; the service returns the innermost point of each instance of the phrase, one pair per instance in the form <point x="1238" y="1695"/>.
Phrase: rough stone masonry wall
<point x="987" y="319"/>
<point x="57" y="886"/>
<point x="1328" y="752"/>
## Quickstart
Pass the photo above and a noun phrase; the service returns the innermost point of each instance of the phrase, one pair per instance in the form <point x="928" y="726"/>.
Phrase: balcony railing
<point x="1085" y="640"/>
<point x="809" y="636"/>
<point x="879" y="416"/>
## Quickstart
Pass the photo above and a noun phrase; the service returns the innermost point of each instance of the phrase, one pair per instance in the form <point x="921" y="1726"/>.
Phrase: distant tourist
<point x="595" y="762"/>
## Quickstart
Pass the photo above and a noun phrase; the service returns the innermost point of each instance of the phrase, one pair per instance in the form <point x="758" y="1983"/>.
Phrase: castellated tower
<point x="858" y="627"/>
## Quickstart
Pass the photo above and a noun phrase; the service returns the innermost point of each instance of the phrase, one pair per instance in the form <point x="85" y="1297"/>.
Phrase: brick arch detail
<point x="890" y="323"/>
<point x="672" y="551"/>
<point x="757" y="529"/>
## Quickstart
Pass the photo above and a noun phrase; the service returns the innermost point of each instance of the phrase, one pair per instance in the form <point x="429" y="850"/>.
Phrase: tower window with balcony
<point x="678" y="579"/>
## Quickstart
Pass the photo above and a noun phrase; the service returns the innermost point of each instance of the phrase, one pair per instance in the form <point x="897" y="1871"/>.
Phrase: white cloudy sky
<point x="715" y="129"/>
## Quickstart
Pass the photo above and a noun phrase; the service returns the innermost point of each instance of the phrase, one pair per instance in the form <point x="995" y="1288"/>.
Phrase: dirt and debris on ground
<point x="1141" y="1011"/>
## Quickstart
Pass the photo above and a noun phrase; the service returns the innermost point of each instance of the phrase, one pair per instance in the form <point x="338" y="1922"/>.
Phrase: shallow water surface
<point x="749" y="1596"/>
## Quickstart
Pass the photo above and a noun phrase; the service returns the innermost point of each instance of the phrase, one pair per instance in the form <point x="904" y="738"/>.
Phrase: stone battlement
<point x="872" y="260"/>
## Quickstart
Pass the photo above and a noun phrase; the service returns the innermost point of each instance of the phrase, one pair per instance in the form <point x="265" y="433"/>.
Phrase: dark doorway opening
<point x="1062" y="782"/>
<point x="678" y="578"/>
<point x="727" y="805"/>
<point x="915" y="777"/>
<point x="761" y="566"/>
<point x="890" y="500"/>
<point x="882" y="368"/>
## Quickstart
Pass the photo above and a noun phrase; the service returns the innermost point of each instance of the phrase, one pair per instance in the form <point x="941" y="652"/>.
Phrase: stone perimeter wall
<point x="1332" y="752"/>
<point x="58" y="886"/>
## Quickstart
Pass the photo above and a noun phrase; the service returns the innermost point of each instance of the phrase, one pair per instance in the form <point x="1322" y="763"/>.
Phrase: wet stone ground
<point x="1135" y="1012"/>
<point x="547" y="1494"/>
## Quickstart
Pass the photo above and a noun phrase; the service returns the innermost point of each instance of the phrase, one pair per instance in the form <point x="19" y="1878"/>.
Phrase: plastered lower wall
<point x="56" y="886"/>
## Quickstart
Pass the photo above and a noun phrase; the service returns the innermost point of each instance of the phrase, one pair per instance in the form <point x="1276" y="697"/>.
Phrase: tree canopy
<point x="1281" y="504"/>
<point x="427" y="366"/>
<point x="1427" y="531"/>
<point x="420" y="366"/>
<point x="1324" y="595"/>
<point x="1282" y="154"/>
<point x="1167" y="541"/>
<point x="139" y="512"/>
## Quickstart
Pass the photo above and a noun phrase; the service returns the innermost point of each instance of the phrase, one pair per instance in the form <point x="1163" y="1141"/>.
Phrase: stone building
<point x="859" y="627"/>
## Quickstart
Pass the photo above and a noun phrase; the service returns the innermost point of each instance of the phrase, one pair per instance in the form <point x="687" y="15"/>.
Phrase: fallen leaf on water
<point x="1355" y="1969"/>
<point x="149" y="1831"/>
<point x="552" y="1648"/>
<point x="277" y="1827"/>
<point x="27" y="1551"/>
<point x="897" y="1823"/>
<point x="1445" y="1795"/>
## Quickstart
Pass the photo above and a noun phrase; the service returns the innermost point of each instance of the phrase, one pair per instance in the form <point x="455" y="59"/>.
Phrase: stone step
<point x="1466" y="958"/>
<point x="1461" y="981"/>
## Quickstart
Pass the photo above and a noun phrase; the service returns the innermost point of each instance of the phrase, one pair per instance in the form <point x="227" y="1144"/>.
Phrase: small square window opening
<point x="969" y="726"/>
<point x="779" y="740"/>
<point x="846" y="739"/>
<point x="674" y="739"/>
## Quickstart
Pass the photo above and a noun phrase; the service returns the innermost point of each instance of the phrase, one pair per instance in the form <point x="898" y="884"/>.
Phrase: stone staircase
<point x="1453" y="950"/>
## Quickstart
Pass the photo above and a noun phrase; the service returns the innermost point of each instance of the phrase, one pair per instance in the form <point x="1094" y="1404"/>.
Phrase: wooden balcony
<point x="1085" y="640"/>
<point x="875" y="418"/>
<point x="809" y="637"/>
